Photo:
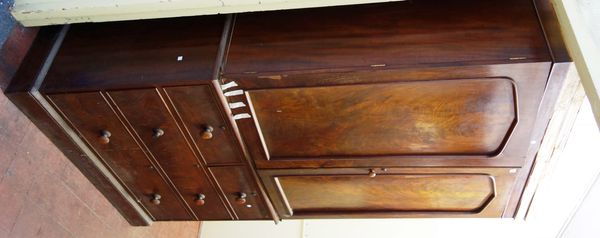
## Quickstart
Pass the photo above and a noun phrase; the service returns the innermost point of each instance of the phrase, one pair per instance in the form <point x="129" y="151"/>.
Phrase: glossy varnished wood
<point x="442" y="117"/>
<point x="200" y="109"/>
<point x="236" y="181"/>
<point x="146" y="112"/>
<point x="528" y="81"/>
<point x="392" y="192"/>
<point x="401" y="34"/>
<point x="90" y="114"/>
<point x="315" y="64"/>
<point x="136" y="54"/>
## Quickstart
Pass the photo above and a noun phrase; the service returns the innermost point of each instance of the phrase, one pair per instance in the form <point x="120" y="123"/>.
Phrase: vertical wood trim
<point x="559" y="127"/>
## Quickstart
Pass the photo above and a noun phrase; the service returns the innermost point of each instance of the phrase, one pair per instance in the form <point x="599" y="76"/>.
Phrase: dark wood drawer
<point x="155" y="125"/>
<point x="394" y="192"/>
<point x="200" y="111"/>
<point x="240" y="189"/>
<point x="90" y="114"/>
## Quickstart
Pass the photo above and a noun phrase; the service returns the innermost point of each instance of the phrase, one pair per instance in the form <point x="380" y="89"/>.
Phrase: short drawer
<point x="240" y="189"/>
<point x="157" y="129"/>
<point x="393" y="192"/>
<point x="97" y="123"/>
<point x="202" y="116"/>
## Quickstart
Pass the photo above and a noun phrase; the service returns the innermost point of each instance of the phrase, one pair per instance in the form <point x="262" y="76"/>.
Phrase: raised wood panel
<point x="458" y="102"/>
<point x="90" y="114"/>
<point x="392" y="192"/>
<point x="398" y="192"/>
<point x="146" y="113"/>
<point x="401" y="34"/>
<point x="199" y="109"/>
<point x="442" y="117"/>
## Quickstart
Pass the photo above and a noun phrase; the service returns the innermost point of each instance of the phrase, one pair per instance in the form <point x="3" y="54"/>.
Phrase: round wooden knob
<point x="200" y="199"/>
<point x="241" y="199"/>
<point x="158" y="133"/>
<point x="155" y="199"/>
<point x="372" y="173"/>
<point x="104" y="137"/>
<point x="207" y="133"/>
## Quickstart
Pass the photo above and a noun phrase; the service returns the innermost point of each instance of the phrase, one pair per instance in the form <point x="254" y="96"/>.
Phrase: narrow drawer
<point x="201" y="114"/>
<point x="156" y="127"/>
<point x="97" y="123"/>
<point x="241" y="191"/>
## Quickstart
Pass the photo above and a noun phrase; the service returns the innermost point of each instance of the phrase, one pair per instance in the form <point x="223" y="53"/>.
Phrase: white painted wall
<point x="585" y="221"/>
<point x="251" y="229"/>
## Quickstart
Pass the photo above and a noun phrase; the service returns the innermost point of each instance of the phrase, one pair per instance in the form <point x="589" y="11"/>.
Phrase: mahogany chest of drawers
<point x="407" y="109"/>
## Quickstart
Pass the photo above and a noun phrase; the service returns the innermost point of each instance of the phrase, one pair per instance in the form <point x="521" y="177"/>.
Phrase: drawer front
<point x="90" y="114"/>
<point x="390" y="193"/>
<point x="201" y="114"/>
<point x="156" y="127"/>
<point x="241" y="191"/>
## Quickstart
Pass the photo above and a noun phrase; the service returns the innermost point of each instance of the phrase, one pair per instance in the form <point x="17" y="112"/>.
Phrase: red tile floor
<point x="43" y="195"/>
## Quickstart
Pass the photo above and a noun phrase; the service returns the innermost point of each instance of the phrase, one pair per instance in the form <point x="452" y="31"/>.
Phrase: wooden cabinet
<point x="429" y="85"/>
<point x="419" y="108"/>
<point x="395" y="192"/>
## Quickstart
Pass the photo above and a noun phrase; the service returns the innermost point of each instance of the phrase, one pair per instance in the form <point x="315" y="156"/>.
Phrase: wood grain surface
<point x="446" y="117"/>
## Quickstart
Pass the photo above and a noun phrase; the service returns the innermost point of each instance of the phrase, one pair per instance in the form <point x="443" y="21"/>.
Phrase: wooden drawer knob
<point x="207" y="134"/>
<point x="199" y="200"/>
<point x="104" y="137"/>
<point x="372" y="173"/>
<point x="155" y="199"/>
<point x="241" y="199"/>
<point x="158" y="133"/>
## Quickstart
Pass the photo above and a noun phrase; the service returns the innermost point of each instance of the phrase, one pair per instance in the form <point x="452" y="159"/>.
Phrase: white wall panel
<point x="51" y="12"/>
